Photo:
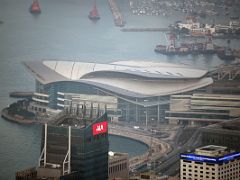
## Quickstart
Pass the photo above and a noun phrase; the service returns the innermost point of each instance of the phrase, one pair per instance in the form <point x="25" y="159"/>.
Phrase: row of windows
<point x="38" y="109"/>
<point x="230" y="170"/>
<point x="224" y="165"/>
<point x="200" y="167"/>
<point x="225" y="177"/>
<point x="198" y="173"/>
<point x="210" y="178"/>
<point x="230" y="166"/>
<point x="230" y="174"/>
<point x="230" y="178"/>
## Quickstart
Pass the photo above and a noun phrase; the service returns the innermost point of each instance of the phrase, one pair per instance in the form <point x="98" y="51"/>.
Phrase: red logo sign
<point x="99" y="128"/>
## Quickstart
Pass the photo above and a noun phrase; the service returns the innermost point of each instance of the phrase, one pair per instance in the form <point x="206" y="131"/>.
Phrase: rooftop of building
<point x="77" y="119"/>
<point x="117" y="155"/>
<point x="211" y="154"/>
<point x="212" y="150"/>
<point x="130" y="78"/>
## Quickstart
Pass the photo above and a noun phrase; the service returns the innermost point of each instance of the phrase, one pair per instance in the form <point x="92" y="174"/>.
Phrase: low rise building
<point x="203" y="108"/>
<point x="210" y="163"/>
<point x="149" y="175"/>
<point x="118" y="166"/>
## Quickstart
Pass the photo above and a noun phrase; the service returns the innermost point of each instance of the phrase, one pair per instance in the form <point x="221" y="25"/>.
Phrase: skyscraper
<point x="75" y="148"/>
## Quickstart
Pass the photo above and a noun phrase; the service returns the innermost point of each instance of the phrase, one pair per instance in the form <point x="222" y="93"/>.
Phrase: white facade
<point x="210" y="163"/>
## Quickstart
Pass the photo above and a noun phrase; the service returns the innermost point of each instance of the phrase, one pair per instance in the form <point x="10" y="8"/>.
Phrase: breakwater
<point x="145" y="29"/>
<point x="117" y="15"/>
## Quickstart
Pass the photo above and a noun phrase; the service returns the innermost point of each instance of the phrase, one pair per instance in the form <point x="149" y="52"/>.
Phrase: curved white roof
<point x="76" y="70"/>
<point x="131" y="78"/>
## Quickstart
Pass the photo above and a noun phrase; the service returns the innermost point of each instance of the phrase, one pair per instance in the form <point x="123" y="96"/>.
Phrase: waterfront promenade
<point x="157" y="147"/>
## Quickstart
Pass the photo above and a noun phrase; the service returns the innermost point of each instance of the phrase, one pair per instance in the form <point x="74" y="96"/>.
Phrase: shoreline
<point x="156" y="147"/>
<point x="6" y="116"/>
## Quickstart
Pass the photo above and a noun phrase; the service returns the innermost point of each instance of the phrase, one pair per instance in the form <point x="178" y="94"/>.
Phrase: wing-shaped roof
<point x="131" y="78"/>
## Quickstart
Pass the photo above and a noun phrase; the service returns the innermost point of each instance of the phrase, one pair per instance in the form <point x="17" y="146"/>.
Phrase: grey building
<point x="223" y="134"/>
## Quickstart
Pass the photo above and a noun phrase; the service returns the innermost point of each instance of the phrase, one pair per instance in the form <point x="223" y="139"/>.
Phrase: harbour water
<point x="63" y="31"/>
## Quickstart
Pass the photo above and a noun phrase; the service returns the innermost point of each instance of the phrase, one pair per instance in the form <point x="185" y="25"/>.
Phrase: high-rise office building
<point x="210" y="163"/>
<point x="73" y="147"/>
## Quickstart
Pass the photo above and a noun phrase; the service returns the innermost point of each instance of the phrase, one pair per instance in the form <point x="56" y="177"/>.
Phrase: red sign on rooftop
<point x="99" y="128"/>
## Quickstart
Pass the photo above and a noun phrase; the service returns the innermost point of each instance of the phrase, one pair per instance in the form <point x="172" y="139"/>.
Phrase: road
<point x="169" y="164"/>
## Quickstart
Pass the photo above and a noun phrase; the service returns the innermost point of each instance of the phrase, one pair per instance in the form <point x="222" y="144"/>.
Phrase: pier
<point x="145" y="29"/>
<point x="18" y="94"/>
<point x="117" y="15"/>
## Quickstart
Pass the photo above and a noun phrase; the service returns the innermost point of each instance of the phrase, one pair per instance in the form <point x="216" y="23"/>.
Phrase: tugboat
<point x="93" y="14"/>
<point x="35" y="7"/>
<point x="227" y="53"/>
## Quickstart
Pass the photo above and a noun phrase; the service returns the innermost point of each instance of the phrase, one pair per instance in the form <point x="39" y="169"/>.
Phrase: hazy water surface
<point x="64" y="32"/>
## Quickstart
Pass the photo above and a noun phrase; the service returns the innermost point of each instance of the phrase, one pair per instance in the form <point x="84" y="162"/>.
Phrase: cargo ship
<point x="185" y="49"/>
<point x="35" y="7"/>
<point x="194" y="48"/>
<point x="93" y="14"/>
